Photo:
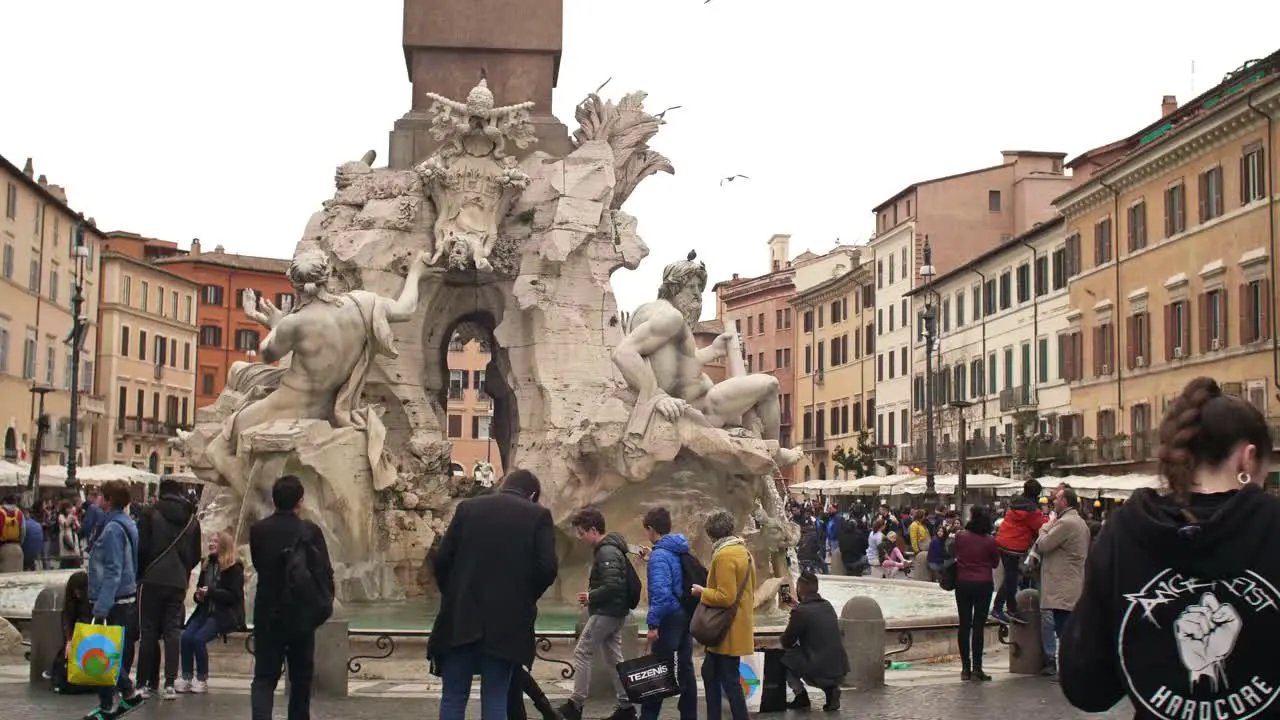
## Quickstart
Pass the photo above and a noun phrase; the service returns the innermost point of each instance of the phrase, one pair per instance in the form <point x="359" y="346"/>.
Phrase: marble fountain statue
<point x="490" y="238"/>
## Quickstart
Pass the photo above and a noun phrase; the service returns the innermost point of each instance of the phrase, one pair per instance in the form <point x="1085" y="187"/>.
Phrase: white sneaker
<point x="199" y="687"/>
<point x="170" y="693"/>
<point x="145" y="692"/>
<point x="182" y="686"/>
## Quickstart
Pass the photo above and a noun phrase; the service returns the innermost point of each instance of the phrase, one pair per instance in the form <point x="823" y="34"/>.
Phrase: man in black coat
<point x="289" y="605"/>
<point x="814" y="654"/>
<point x="494" y="562"/>
<point x="169" y="549"/>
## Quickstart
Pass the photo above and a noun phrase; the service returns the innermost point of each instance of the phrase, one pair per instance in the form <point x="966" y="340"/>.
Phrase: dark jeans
<point x="972" y="601"/>
<point x="458" y="667"/>
<point x="675" y="642"/>
<point x="194" y="646"/>
<point x="720" y="678"/>
<point x="1007" y="598"/>
<point x="858" y="566"/>
<point x="124" y="614"/>
<point x="271" y="650"/>
<point x="522" y="684"/>
<point x="1052" y="624"/>
<point x="162" y="616"/>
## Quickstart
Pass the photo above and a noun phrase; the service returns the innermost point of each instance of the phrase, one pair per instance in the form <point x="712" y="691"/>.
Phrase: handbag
<point x="710" y="625"/>
<point x="95" y="655"/>
<point x="648" y="678"/>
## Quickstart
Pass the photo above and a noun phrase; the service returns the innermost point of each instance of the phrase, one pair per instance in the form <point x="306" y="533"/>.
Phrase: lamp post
<point x="962" y="481"/>
<point x="42" y="428"/>
<point x="930" y="317"/>
<point x="80" y="254"/>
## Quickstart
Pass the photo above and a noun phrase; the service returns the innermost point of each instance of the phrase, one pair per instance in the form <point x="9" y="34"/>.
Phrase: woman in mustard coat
<point x="730" y="565"/>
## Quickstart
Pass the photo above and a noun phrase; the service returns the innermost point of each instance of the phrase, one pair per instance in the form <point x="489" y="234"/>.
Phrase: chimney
<point x="219" y="249"/>
<point x="1168" y="105"/>
<point x="58" y="191"/>
<point x="779" y="251"/>
<point x="735" y="277"/>
<point x="29" y="169"/>
<point x="195" y="246"/>
<point x="43" y="181"/>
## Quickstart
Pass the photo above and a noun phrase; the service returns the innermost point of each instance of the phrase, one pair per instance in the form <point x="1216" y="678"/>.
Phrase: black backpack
<point x="692" y="572"/>
<point x="634" y="588"/>
<point x="308" y="603"/>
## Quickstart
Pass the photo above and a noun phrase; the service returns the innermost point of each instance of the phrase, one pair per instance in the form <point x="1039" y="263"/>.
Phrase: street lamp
<point x="963" y="479"/>
<point x="930" y="317"/>
<point x="42" y="428"/>
<point x="80" y="253"/>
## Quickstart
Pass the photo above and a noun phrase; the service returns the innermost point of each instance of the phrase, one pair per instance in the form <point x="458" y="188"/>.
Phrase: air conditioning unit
<point x="1177" y="353"/>
<point x="1215" y="345"/>
<point x="1106" y="369"/>
<point x="817" y="377"/>
<point x="1139" y="361"/>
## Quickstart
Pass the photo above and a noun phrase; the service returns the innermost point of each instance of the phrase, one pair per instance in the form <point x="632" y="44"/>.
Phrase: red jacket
<point x="1021" y="525"/>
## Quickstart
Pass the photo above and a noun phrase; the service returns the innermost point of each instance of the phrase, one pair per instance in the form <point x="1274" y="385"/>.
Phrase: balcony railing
<point x="455" y="392"/>
<point x="1018" y="397"/>
<point x="950" y="450"/>
<point x="1115" y="448"/>
<point x="886" y="452"/>
<point x="144" y="426"/>
<point x="814" y="444"/>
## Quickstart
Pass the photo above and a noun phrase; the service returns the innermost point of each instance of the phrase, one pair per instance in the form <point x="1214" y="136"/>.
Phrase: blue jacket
<point x="33" y="542"/>
<point x="113" y="562"/>
<point x="666" y="580"/>
<point x="834" y="523"/>
<point x="91" y="524"/>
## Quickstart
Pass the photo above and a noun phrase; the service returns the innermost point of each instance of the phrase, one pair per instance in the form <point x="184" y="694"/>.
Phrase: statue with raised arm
<point x="662" y="363"/>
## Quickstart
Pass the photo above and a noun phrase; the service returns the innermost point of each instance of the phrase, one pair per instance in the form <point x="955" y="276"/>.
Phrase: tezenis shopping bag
<point x="94" y="660"/>
<point x="648" y="678"/>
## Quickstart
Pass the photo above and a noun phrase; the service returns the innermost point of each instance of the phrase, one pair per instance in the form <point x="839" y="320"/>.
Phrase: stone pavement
<point x="920" y="693"/>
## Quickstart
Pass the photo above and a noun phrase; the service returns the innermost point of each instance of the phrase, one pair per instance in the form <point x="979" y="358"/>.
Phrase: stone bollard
<point x="862" y="632"/>
<point x="46" y="633"/>
<point x="603" y="675"/>
<point x="836" y="563"/>
<point x="1025" y="654"/>
<point x="333" y="649"/>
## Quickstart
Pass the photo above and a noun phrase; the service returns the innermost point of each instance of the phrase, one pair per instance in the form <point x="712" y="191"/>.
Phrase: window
<point x="211" y="336"/>
<point x="760" y="322"/>
<point x="1175" y="210"/>
<point x="145" y="296"/>
<point x="993" y="201"/>
<point x="917" y="393"/>
<point x="806" y="429"/>
<point x="124" y="341"/>
<point x="1104" y="351"/>
<point x="11" y="202"/>
<point x="786" y="319"/>
<point x="189" y="316"/>
<point x="8" y="261"/>
<point x="1059" y="262"/>
<point x="142" y="344"/>
<point x="4" y="348"/>
<point x="902" y="356"/>
<point x="53" y="285"/>
<point x="455" y="426"/>
<point x="1008" y="369"/>
<point x="173" y="353"/>
<point x="1137" y="226"/>
<point x="880" y="367"/>
<point x="211" y="295"/>
<point x="880" y="275"/>
<point x="891" y="323"/>
<point x="993" y="377"/>
<point x="835" y="421"/>
<point x="1102" y="250"/>
<point x="186" y="356"/>
<point x="206" y="384"/>
<point x="1070" y="357"/>
<point x="750" y="325"/>
<point x="989" y="298"/>
<point x="820" y="313"/>
<point x="1042" y="276"/>
<point x="50" y="363"/>
<point x="880" y="318"/>
<point x="892" y="433"/>
<point x="457" y="383"/>
<point x="1138" y="340"/>
<point x="1255" y="301"/>
<point x="808" y="321"/>
<point x="835" y="312"/>
<point x="480" y="427"/>
<point x="820" y="356"/>
<point x="1071" y="265"/>
<point x="890" y="273"/>
<point x="977" y="387"/>
<point x="808" y="359"/>
<point x="903" y="273"/>
<point x="247" y="340"/>
<point x="958" y="384"/>
<point x="777" y="320"/>
<point x="1253" y="174"/>
<point x="870" y="334"/>
<point x="960" y="309"/>
<point x="1177" y="330"/>
<point x="1042" y="360"/>
<point x="977" y="303"/>
<point x="777" y="358"/>
<point x="1213" y="320"/>
<point x="33" y="276"/>
<point x="173" y="305"/>
<point x="946" y="314"/>
<point x="737" y="326"/>
<point x="1210" y="195"/>
<point x="29" y="356"/>
<point x="1024" y="282"/>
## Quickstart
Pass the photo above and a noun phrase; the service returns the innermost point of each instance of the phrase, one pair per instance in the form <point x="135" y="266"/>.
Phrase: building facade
<point x="758" y="310"/>
<point x="37" y="284"/>
<point x="225" y="335"/>
<point x="961" y="216"/>
<point x="996" y="360"/>
<point x="470" y="407"/>
<point x="835" y="384"/>
<point x="1171" y="254"/>
<point x="146" y="361"/>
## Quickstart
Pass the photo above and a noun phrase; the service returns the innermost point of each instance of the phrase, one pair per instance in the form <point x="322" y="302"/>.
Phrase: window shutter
<point x="1262" y="177"/>
<point x="1223" y="314"/>
<point x="1097" y="351"/>
<point x="1204" y="322"/>
<point x="1202" y="197"/>
<point x="1129" y="327"/>
<point x="1169" y="341"/>
<point x="1186" y="326"/>
<point x="1246" y="313"/>
<point x="1168" y="213"/>
<point x="1146" y="337"/>
<point x="1068" y="364"/>
<point x="1264" y="310"/>
<point x="1244" y="182"/>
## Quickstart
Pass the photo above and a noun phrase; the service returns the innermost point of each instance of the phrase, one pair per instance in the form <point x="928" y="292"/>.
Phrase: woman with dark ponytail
<point x="1181" y="608"/>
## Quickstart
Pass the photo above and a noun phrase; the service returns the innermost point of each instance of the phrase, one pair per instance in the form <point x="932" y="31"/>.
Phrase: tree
<point x="1035" y="450"/>
<point x="860" y="461"/>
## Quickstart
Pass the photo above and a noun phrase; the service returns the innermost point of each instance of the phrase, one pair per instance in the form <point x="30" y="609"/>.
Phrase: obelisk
<point x="449" y="43"/>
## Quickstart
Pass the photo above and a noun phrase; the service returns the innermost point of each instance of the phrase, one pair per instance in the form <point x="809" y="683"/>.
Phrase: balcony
<point x="1016" y="398"/>
<point x="144" y="426"/>
<point x="816" y="445"/>
<point x="1110" y="450"/>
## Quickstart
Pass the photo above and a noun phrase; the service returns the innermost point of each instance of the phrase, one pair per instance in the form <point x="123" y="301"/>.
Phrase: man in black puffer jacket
<point x="608" y="602"/>
<point x="168" y="550"/>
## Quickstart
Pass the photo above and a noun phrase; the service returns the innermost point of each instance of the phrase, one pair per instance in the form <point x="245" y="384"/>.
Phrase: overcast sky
<point x="224" y="121"/>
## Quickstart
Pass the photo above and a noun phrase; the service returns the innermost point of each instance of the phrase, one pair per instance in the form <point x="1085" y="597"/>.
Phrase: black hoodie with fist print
<point x="1180" y="610"/>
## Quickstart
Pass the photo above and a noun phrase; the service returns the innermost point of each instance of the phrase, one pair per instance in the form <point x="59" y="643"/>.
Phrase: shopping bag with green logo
<point x="94" y="660"/>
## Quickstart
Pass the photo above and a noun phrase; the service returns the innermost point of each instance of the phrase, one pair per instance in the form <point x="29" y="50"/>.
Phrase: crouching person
<point x="815" y="655"/>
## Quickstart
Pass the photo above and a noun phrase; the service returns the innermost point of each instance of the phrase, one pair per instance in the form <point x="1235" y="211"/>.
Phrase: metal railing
<point x="144" y="426"/>
<point x="1017" y="397"/>
<point x="1117" y="448"/>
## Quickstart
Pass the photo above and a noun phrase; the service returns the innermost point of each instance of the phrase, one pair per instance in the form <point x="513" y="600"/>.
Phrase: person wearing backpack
<point x="671" y="605"/>
<point x="168" y="550"/>
<point x="294" y="597"/>
<point x="610" y="597"/>
<point x="13" y="530"/>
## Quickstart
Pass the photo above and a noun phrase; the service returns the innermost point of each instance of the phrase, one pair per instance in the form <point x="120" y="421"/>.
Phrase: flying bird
<point x="606" y="82"/>
<point x="664" y="112"/>
<point x="732" y="177"/>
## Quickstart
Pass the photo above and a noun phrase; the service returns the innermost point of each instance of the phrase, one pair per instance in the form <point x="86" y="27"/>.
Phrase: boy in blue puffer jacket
<point x="668" y="623"/>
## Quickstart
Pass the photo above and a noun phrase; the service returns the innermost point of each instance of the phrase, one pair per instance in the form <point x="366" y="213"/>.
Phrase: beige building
<point x="1171" y="255"/>
<point x="37" y="284"/>
<point x="146" y="362"/>
<point x="471" y="407"/>
<point x="834" y="373"/>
